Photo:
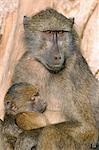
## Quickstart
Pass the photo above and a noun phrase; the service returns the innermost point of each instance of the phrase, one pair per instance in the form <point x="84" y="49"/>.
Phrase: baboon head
<point x="50" y="38"/>
<point x="19" y="98"/>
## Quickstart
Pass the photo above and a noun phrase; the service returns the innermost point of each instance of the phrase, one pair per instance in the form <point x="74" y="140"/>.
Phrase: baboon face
<point x="13" y="108"/>
<point x="49" y="45"/>
<point x="22" y="97"/>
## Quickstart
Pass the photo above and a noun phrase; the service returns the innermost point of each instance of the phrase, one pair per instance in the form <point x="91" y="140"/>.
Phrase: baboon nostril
<point x="57" y="57"/>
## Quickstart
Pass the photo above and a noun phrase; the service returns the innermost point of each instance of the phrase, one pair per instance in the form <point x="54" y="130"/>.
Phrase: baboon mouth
<point x="55" y="69"/>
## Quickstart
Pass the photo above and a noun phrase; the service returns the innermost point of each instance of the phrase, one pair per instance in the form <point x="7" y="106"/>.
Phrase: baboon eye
<point x="49" y="32"/>
<point x="8" y="104"/>
<point x="32" y="98"/>
<point x="61" y="33"/>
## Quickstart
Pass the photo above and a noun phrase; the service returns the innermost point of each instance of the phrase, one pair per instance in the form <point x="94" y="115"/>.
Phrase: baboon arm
<point x="82" y="133"/>
<point x="85" y="131"/>
<point x="31" y="120"/>
<point x="71" y="134"/>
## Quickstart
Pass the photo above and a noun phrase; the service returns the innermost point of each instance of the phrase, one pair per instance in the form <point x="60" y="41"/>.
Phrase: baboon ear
<point x="72" y="21"/>
<point x="26" y="20"/>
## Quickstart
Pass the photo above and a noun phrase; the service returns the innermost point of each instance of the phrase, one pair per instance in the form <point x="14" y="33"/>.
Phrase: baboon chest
<point x="59" y="101"/>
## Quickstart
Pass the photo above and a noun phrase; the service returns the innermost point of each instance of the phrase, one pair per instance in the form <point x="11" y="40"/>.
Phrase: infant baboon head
<point x="23" y="97"/>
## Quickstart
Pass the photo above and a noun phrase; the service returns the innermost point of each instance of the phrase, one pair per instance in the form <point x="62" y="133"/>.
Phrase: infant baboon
<point x="21" y="98"/>
<point x="53" y="61"/>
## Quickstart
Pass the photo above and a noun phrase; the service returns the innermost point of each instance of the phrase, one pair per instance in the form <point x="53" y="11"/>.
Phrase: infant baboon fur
<point x="21" y="98"/>
<point x="53" y="61"/>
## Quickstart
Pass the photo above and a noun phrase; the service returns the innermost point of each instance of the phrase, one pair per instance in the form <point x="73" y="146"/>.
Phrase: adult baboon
<point x="54" y="62"/>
